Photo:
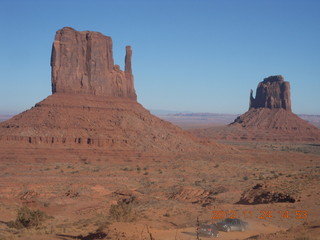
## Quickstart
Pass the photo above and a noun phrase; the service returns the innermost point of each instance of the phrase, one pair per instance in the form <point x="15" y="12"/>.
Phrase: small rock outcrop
<point x="82" y="63"/>
<point x="272" y="92"/>
<point x="263" y="194"/>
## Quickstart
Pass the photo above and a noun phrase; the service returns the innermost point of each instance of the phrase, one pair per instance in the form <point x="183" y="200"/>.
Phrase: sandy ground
<point x="77" y="188"/>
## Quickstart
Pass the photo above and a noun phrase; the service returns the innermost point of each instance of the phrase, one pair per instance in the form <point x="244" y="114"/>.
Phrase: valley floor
<point x="159" y="197"/>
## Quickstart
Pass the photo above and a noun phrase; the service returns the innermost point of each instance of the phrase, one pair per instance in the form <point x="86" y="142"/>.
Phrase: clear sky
<point x="188" y="55"/>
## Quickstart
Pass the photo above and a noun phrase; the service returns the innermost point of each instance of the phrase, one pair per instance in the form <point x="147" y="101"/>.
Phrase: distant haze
<point x="189" y="119"/>
<point x="194" y="120"/>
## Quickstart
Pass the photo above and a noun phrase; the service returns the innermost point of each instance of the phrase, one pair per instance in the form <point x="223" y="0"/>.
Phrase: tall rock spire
<point x="128" y="68"/>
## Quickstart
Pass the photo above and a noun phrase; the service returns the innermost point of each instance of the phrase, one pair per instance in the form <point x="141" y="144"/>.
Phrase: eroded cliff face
<point x="82" y="63"/>
<point x="272" y="92"/>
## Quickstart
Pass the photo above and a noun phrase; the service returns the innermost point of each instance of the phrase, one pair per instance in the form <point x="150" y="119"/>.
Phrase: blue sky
<point x="188" y="55"/>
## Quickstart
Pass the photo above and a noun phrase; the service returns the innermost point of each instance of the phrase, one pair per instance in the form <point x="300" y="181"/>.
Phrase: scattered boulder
<point x="28" y="195"/>
<point x="71" y="194"/>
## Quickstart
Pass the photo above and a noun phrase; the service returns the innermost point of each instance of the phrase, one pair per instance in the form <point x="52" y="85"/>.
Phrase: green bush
<point x="28" y="218"/>
<point x="122" y="212"/>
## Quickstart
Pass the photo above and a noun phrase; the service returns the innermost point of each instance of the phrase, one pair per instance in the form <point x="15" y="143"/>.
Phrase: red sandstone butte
<point x="269" y="118"/>
<point x="94" y="105"/>
<point x="82" y="62"/>
<point x="272" y="92"/>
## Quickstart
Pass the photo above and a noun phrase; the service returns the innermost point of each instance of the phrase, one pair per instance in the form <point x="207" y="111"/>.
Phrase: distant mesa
<point x="94" y="105"/>
<point x="269" y="118"/>
<point x="271" y="108"/>
<point x="82" y="63"/>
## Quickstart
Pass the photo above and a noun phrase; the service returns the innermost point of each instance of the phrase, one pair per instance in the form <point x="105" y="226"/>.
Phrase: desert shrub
<point x="122" y="212"/>
<point x="303" y="238"/>
<point x="28" y="218"/>
<point x="307" y="237"/>
<point x="95" y="235"/>
<point x="96" y="169"/>
<point x="14" y="224"/>
<point x="166" y="215"/>
<point x="245" y="178"/>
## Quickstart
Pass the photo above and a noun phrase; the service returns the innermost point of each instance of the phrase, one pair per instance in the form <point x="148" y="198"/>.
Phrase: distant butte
<point x="272" y="92"/>
<point x="269" y="118"/>
<point x="94" y="106"/>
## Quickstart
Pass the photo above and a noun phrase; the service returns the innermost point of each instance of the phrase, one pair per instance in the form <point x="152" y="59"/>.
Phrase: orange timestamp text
<point x="261" y="214"/>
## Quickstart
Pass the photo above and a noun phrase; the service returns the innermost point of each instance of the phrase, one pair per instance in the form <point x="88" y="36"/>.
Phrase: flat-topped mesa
<point x="272" y="92"/>
<point x="82" y="63"/>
